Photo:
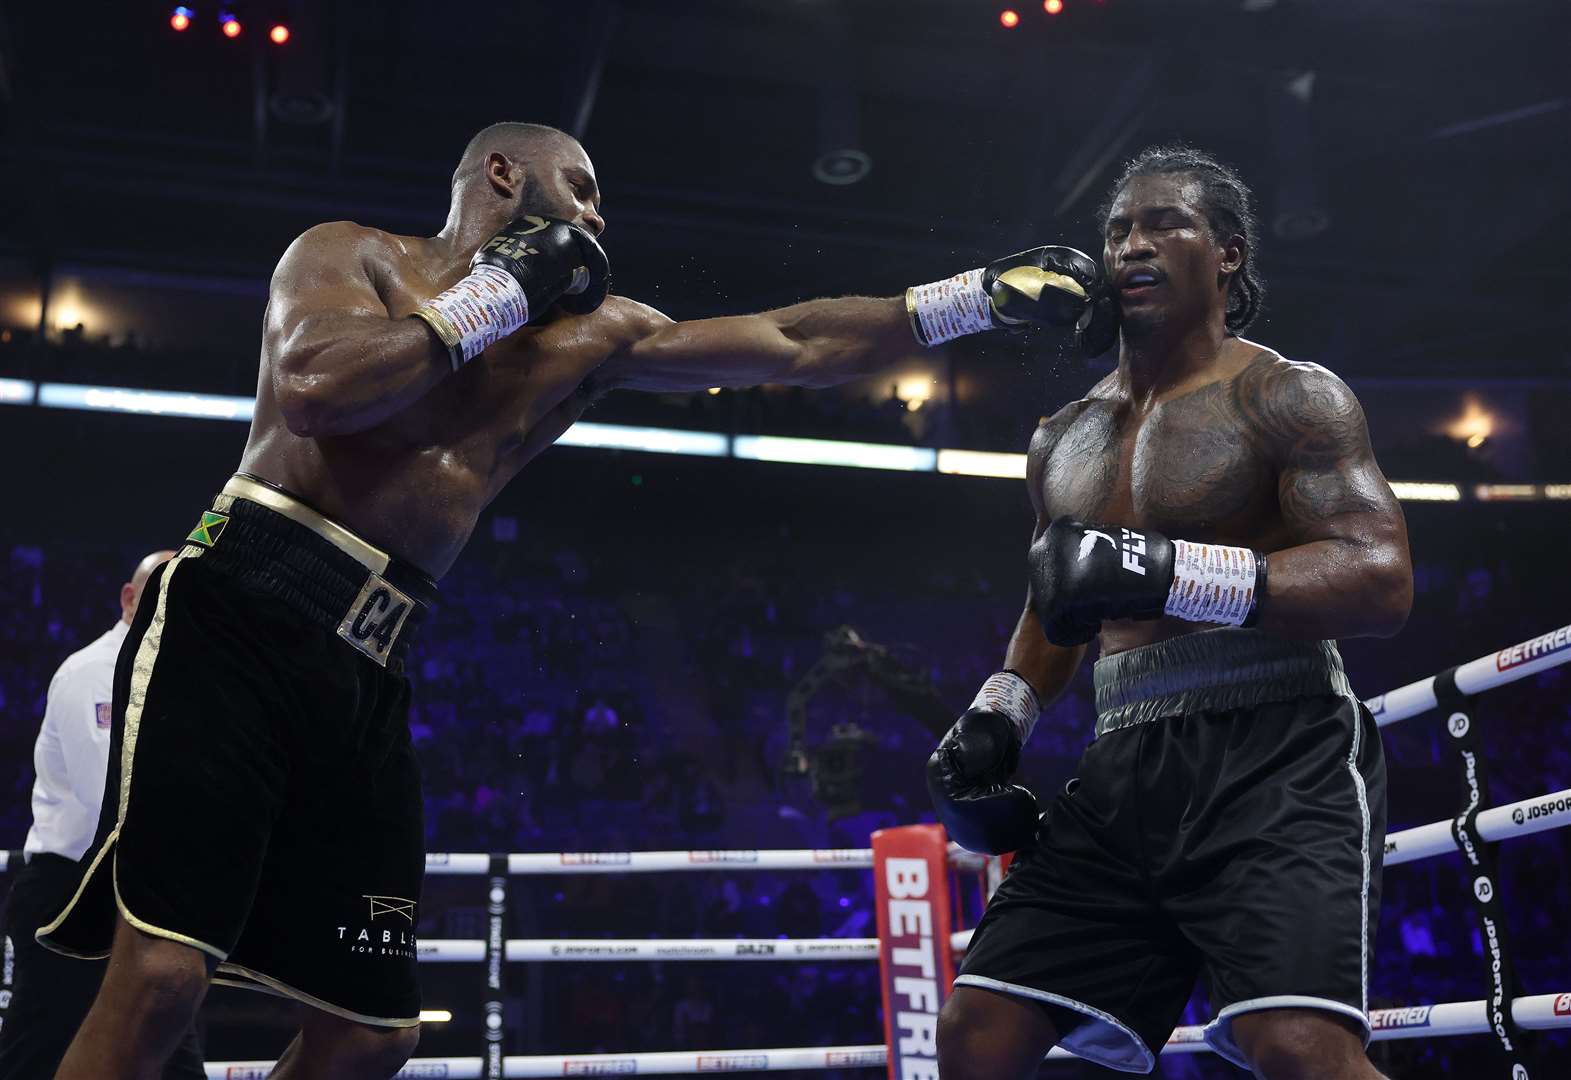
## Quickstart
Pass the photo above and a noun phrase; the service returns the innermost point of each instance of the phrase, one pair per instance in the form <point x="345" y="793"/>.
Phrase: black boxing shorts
<point x="263" y="802"/>
<point x="1229" y="819"/>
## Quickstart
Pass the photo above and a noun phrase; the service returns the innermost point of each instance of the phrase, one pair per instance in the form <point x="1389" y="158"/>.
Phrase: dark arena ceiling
<point x="1410" y="156"/>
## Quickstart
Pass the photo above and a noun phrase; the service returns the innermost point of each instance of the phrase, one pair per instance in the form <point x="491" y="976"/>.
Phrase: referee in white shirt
<point x="43" y="995"/>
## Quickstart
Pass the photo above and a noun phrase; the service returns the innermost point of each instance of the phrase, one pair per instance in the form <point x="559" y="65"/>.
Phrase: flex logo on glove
<point x="1133" y="547"/>
<point x="510" y="244"/>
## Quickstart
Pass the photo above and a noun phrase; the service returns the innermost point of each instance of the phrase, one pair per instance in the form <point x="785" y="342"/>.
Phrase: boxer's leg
<point x="331" y="1048"/>
<point x="988" y="1035"/>
<point x="1303" y="1044"/>
<point x="149" y="997"/>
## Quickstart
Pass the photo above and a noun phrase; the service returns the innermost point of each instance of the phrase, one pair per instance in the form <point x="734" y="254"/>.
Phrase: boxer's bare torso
<point x="1255" y="450"/>
<point x="416" y="482"/>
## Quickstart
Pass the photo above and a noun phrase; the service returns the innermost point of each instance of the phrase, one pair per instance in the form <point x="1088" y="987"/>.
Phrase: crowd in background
<point x="565" y="703"/>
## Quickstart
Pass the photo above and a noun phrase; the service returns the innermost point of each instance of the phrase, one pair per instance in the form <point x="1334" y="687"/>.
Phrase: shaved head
<point x="520" y="169"/>
<point x="516" y="140"/>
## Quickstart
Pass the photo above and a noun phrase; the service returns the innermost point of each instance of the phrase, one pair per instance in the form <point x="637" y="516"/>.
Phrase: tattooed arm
<point x="1348" y="572"/>
<point x="1047" y="667"/>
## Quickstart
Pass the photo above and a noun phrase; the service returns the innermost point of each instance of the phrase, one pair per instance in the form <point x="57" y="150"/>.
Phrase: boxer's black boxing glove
<point x="968" y="779"/>
<point x="1059" y="286"/>
<point x="554" y="262"/>
<point x="1082" y="574"/>
<point x="1051" y="286"/>
<point x="1097" y="329"/>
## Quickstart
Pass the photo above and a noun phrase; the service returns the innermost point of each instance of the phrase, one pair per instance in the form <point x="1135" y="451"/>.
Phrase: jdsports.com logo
<point x="1538" y="810"/>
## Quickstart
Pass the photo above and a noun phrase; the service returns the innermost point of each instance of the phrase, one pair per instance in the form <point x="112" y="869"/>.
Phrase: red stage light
<point x="278" y="34"/>
<point x="180" y="19"/>
<point x="1052" y="7"/>
<point x="1010" y="19"/>
<point x="231" y="27"/>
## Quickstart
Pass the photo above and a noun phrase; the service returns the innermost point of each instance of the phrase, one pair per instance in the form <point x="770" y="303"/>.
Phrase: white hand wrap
<point x="1212" y="583"/>
<point x="484" y="307"/>
<point x="950" y="308"/>
<point x="1009" y="695"/>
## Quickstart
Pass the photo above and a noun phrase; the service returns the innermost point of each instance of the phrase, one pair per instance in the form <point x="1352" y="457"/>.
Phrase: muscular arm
<point x="1349" y="573"/>
<point x="340" y="363"/>
<point x="1047" y="667"/>
<point x="818" y="343"/>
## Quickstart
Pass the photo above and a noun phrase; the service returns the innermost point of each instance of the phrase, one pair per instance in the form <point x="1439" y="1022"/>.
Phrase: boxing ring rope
<point x="1506" y="822"/>
<point x="1528" y="816"/>
<point x="1474" y="677"/>
<point x="1536" y="1012"/>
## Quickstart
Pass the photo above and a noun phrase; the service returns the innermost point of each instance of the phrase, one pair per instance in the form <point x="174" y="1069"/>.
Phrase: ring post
<point x="916" y="965"/>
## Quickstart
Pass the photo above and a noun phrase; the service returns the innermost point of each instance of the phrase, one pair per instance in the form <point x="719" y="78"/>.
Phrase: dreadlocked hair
<point x="1229" y="209"/>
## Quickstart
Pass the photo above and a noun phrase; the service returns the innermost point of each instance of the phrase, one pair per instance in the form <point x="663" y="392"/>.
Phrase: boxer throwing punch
<point x="263" y="816"/>
<point x="1213" y="514"/>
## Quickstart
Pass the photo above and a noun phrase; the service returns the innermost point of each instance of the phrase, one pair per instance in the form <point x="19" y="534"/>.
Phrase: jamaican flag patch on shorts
<point x="209" y="529"/>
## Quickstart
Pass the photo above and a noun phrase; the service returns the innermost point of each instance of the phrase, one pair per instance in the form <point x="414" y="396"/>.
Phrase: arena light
<point x="147" y="402"/>
<point x="982" y="463"/>
<point x="914" y="391"/>
<point x="278" y="34"/>
<point x="1508" y="492"/>
<point x="229" y="25"/>
<point x="436" y="1016"/>
<point x="832" y="452"/>
<point x="649" y="439"/>
<point x="1008" y="466"/>
<point x="1409" y="491"/>
<point x="1009" y="18"/>
<point x="16" y="392"/>
<point x="180" y="18"/>
<point x="1052" y="7"/>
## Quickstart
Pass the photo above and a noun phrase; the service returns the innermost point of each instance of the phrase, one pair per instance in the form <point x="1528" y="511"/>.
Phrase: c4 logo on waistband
<point x="208" y="529"/>
<point x="375" y="618"/>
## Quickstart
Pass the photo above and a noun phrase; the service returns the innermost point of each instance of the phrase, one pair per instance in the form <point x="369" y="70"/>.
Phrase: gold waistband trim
<point x="366" y="554"/>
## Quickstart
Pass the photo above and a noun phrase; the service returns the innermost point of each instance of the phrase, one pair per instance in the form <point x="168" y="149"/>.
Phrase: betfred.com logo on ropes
<point x="596" y="858"/>
<point x="1548" y="644"/>
<point x="1563" y="1004"/>
<point x="1391" y="1019"/>
<point x="722" y="856"/>
<point x="603" y="1067"/>
<point x="854" y="1059"/>
<point x="841" y="855"/>
<point x="733" y="1062"/>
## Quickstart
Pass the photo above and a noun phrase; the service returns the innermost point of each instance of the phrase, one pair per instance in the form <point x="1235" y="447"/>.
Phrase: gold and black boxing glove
<point x="530" y="265"/>
<point x="1053" y="286"/>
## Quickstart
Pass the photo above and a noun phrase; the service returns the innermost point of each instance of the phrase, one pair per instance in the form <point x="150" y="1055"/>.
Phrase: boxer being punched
<point x="1211" y="513"/>
<point x="263" y="811"/>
